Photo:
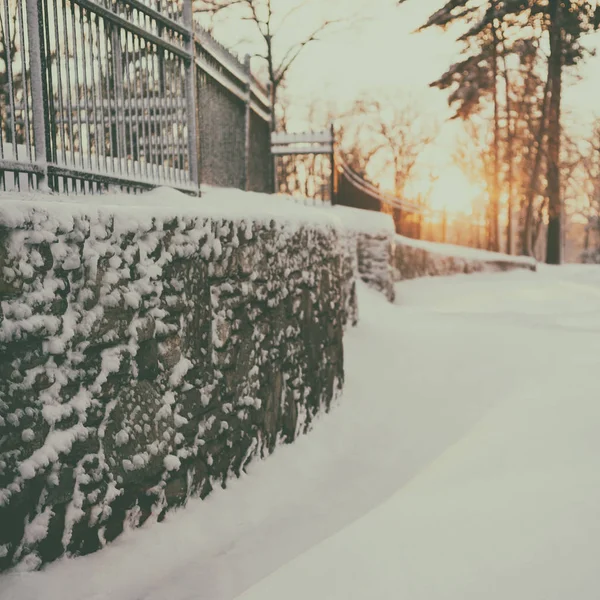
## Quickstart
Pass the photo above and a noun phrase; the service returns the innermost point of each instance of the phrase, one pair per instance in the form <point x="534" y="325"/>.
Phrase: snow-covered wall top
<point x="464" y="252"/>
<point x="165" y="203"/>
<point x="365" y="221"/>
<point x="416" y="258"/>
<point x="150" y="346"/>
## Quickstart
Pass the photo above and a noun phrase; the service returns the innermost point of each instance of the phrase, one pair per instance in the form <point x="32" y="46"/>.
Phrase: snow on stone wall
<point x="416" y="258"/>
<point x="371" y="234"/>
<point x="151" y="346"/>
<point x="148" y="352"/>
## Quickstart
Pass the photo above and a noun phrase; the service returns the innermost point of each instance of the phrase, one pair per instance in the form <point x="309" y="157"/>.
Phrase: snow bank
<point x="510" y="510"/>
<point x="417" y="258"/>
<point x="497" y="487"/>
<point x="150" y="347"/>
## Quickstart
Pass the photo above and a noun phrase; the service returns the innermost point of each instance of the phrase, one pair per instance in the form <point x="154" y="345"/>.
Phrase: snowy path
<point x="466" y="435"/>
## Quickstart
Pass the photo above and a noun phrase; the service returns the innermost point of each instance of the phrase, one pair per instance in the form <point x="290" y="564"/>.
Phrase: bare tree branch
<point x="294" y="52"/>
<point x="262" y="13"/>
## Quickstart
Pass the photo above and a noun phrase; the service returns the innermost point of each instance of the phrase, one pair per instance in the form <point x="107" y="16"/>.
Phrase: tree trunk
<point x="553" y="248"/>
<point x="273" y="98"/>
<point x="494" y="241"/>
<point x="538" y="225"/>
<point x="510" y="134"/>
<point x="535" y="174"/>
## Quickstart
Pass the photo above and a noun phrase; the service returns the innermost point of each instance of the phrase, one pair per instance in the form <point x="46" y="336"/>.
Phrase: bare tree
<point x="389" y="133"/>
<point x="590" y="189"/>
<point x="385" y="136"/>
<point x="271" y="26"/>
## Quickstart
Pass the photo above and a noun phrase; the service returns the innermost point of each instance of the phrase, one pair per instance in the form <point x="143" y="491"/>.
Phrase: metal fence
<point x="234" y="119"/>
<point x="352" y="190"/>
<point x="304" y="164"/>
<point x="101" y="93"/>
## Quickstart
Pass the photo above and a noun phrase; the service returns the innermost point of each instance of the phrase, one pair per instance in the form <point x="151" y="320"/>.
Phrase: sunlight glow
<point x="455" y="192"/>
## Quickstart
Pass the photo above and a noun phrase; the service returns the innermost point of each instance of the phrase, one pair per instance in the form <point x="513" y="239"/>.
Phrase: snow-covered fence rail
<point x="149" y="351"/>
<point x="99" y="93"/>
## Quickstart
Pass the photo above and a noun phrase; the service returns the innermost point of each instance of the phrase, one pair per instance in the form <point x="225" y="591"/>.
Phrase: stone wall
<point x="147" y="354"/>
<point x="370" y="241"/>
<point x="414" y="258"/>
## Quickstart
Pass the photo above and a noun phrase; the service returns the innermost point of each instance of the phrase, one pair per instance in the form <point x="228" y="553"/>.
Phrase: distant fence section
<point x="352" y="190"/>
<point x="414" y="220"/>
<point x="304" y="164"/>
<point x="310" y="165"/>
<point x="127" y="93"/>
<point x="307" y="164"/>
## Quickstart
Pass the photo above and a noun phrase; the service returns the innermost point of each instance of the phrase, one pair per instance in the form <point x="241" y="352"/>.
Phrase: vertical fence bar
<point x="21" y="27"/>
<point x="117" y="69"/>
<point x="247" y="117"/>
<point x="332" y="157"/>
<point x="68" y="86"/>
<point x="130" y="107"/>
<point x="11" y="87"/>
<point x="172" y="119"/>
<point x="190" y="88"/>
<point x="39" y="93"/>
<point x="275" y="174"/>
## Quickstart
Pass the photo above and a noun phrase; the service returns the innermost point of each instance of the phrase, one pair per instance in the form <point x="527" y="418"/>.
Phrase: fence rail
<point x="127" y="93"/>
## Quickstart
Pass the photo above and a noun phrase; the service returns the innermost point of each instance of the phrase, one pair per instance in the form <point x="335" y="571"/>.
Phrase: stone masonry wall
<point x="370" y="243"/>
<point x="414" y="259"/>
<point x="148" y="354"/>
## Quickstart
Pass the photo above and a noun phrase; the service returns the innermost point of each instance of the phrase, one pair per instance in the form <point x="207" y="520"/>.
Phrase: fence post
<point x="190" y="89"/>
<point x="247" y="117"/>
<point x="274" y="178"/>
<point x="333" y="173"/>
<point x="120" y="136"/>
<point x="39" y="93"/>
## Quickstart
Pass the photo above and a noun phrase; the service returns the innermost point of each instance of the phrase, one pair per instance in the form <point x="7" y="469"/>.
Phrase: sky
<point x="378" y="52"/>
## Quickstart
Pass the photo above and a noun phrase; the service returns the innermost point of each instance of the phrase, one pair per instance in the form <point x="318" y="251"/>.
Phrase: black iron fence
<point x="352" y="190"/>
<point x="234" y="120"/>
<point x="100" y="93"/>
<point x="412" y="219"/>
<point x="129" y="93"/>
<point x="304" y="164"/>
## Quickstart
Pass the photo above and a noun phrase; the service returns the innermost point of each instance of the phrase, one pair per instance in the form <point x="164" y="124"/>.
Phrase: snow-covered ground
<point x="463" y="462"/>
